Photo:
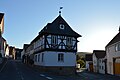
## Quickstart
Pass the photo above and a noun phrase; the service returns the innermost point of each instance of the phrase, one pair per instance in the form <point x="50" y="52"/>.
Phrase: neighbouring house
<point x="113" y="55"/>
<point x="1" y="32"/>
<point x="3" y="43"/>
<point x="12" y="52"/>
<point x="1" y="23"/>
<point x="55" y="48"/>
<point x="3" y="47"/>
<point x="7" y="51"/>
<point x="18" y="53"/>
<point x="80" y="57"/>
<point x="89" y="62"/>
<point x="99" y="61"/>
<point x="24" y="55"/>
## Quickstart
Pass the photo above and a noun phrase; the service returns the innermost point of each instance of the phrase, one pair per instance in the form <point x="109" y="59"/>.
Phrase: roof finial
<point x="60" y="10"/>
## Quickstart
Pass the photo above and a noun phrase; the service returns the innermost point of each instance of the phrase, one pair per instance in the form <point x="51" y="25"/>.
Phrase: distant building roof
<point x="99" y="53"/>
<point x="114" y="40"/>
<point x="25" y="46"/>
<point x="1" y="16"/>
<point x="17" y="49"/>
<point x="88" y="57"/>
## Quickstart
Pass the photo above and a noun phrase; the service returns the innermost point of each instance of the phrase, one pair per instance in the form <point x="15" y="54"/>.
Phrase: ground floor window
<point x="60" y="57"/>
<point x="35" y="58"/>
<point x="38" y="57"/>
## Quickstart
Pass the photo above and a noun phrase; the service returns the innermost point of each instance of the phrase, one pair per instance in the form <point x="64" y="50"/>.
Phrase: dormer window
<point x="62" y="26"/>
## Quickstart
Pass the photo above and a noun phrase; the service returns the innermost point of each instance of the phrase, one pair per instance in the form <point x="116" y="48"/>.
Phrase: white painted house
<point x="55" y="47"/>
<point x="113" y="55"/>
<point x="99" y="61"/>
<point x="1" y="32"/>
<point x="1" y="23"/>
<point x="7" y="51"/>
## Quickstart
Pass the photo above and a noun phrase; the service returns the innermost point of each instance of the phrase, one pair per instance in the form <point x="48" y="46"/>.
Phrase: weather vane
<point x="60" y="10"/>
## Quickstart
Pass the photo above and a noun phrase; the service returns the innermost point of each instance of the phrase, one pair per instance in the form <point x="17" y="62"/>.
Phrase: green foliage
<point x="81" y="62"/>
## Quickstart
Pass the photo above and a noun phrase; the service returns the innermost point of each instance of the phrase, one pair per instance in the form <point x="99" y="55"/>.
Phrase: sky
<point x="97" y="21"/>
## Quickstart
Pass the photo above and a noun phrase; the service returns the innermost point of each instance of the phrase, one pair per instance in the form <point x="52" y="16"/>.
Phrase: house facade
<point x="1" y="32"/>
<point x="12" y="52"/>
<point x="113" y="55"/>
<point x="18" y="53"/>
<point x="24" y="53"/>
<point x="89" y="62"/>
<point x="54" y="49"/>
<point x="1" y="23"/>
<point x="99" y="61"/>
<point x="7" y="51"/>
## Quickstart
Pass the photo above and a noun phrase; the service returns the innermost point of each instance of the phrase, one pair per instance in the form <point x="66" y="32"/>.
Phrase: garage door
<point x="117" y="68"/>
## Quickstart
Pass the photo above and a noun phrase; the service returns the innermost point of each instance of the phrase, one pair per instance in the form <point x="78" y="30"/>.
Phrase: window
<point x="69" y="41"/>
<point x="38" y="57"/>
<point x="62" y="37"/>
<point x="60" y="57"/>
<point x="42" y="57"/>
<point x="99" y="67"/>
<point x="117" y="47"/>
<point x="54" y="40"/>
<point x="62" y="26"/>
<point x="35" y="58"/>
<point x="102" y="67"/>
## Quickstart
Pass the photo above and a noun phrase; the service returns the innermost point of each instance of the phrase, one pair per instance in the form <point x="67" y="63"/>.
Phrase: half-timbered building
<point x="55" y="47"/>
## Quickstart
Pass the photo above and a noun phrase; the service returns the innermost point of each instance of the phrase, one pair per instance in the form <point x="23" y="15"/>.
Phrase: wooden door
<point x="117" y="68"/>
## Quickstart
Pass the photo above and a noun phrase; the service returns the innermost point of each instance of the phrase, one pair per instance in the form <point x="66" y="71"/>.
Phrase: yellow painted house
<point x="113" y="55"/>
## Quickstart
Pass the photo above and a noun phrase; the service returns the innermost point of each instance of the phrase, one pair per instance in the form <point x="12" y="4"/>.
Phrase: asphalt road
<point x="97" y="76"/>
<point x="15" y="70"/>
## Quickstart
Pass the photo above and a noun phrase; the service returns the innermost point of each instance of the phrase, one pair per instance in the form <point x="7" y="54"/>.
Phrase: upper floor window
<point x="60" y="57"/>
<point x="54" y="40"/>
<point x="62" y="26"/>
<point x="117" y="47"/>
<point x="69" y="41"/>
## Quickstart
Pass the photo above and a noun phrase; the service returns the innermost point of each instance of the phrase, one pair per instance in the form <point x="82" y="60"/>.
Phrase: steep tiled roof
<point x="1" y="16"/>
<point x="114" y="40"/>
<point x="88" y="57"/>
<point x="54" y="28"/>
<point x="99" y="53"/>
